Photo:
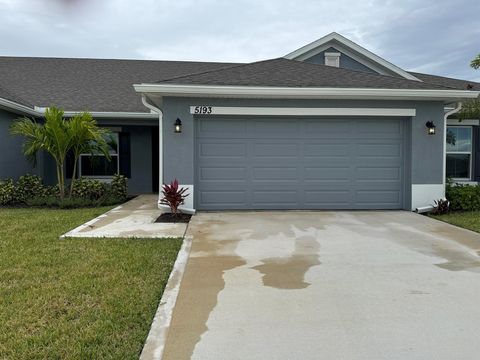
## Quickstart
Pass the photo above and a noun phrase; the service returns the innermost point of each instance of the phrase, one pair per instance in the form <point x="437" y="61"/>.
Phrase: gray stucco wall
<point x="346" y="61"/>
<point x="12" y="162"/>
<point x="427" y="150"/>
<point x="424" y="154"/>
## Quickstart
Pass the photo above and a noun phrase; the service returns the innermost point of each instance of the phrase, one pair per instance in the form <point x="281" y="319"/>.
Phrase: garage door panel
<point x="216" y="149"/>
<point x="377" y="197"/>
<point x="378" y="128"/>
<point x="264" y="130"/>
<point x="379" y="150"/>
<point x="223" y="197"/>
<point x="327" y="129"/>
<point x="327" y="173"/>
<point x="279" y="173"/>
<point x="378" y="174"/>
<point x="223" y="173"/>
<point x="276" y="150"/>
<point x="274" y="197"/>
<point x="219" y="128"/>
<point x="275" y="164"/>
<point x="326" y="149"/>
<point x="321" y="198"/>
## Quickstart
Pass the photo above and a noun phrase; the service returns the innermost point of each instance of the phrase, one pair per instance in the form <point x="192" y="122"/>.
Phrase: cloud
<point x="435" y="36"/>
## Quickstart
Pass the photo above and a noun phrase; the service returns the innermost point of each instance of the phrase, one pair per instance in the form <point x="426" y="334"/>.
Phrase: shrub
<point x="86" y="188"/>
<point x="7" y="192"/>
<point x="72" y="203"/>
<point x="51" y="191"/>
<point x="463" y="197"/>
<point x="118" y="187"/>
<point x="28" y="186"/>
<point x="47" y="201"/>
<point x="173" y="196"/>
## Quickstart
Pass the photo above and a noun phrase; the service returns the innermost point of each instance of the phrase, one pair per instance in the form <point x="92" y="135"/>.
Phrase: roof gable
<point x="353" y="51"/>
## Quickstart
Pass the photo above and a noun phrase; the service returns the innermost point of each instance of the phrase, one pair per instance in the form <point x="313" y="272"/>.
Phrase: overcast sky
<point x="433" y="36"/>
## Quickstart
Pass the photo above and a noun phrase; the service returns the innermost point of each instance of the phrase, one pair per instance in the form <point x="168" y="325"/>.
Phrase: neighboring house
<point x="328" y="126"/>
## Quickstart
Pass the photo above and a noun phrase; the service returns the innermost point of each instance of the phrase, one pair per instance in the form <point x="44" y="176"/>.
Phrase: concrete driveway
<point x="327" y="285"/>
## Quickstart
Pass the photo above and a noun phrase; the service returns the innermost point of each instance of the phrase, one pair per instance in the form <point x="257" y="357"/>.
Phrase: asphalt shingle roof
<point x="107" y="85"/>
<point x="87" y="84"/>
<point x="446" y="81"/>
<point x="292" y="73"/>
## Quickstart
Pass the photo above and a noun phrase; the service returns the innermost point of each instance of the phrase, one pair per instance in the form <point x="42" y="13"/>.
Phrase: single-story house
<point x="328" y="126"/>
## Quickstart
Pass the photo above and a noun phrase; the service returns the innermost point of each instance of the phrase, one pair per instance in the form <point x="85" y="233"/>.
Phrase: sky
<point x="439" y="37"/>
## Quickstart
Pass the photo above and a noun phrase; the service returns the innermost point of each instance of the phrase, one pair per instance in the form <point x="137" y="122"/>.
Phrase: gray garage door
<point x="299" y="163"/>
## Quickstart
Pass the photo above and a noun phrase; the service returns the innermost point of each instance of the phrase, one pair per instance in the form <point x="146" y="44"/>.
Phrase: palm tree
<point x="87" y="137"/>
<point x="53" y="137"/>
<point x="58" y="136"/>
<point x="471" y="108"/>
<point x="475" y="63"/>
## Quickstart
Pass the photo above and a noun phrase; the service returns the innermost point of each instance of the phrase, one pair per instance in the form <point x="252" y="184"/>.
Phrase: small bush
<point x="463" y="197"/>
<point x="43" y="201"/>
<point x="51" y="191"/>
<point x="28" y="186"/>
<point x="118" y="187"/>
<point x="86" y="188"/>
<point x="7" y="192"/>
<point x="71" y="203"/>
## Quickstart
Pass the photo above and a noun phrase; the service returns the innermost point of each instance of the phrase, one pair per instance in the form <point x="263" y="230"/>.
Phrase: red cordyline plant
<point x="173" y="196"/>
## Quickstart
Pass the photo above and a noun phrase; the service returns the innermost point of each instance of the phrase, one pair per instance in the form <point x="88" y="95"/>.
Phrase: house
<point x="328" y="126"/>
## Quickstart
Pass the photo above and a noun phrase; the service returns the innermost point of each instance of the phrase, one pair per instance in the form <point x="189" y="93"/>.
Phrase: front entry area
<point x="299" y="163"/>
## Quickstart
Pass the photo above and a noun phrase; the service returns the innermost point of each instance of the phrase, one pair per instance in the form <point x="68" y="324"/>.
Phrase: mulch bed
<point x="171" y="218"/>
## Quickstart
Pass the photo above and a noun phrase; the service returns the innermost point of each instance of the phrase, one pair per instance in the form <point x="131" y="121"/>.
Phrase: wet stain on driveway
<point x="289" y="272"/>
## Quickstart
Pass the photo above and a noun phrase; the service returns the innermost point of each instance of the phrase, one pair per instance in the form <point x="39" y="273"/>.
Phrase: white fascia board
<point x="40" y="111"/>
<point x="105" y="114"/>
<point x="117" y="115"/>
<point x="466" y="122"/>
<point x="311" y="49"/>
<point x="279" y="111"/>
<point x="302" y="93"/>
<point x="16" y="107"/>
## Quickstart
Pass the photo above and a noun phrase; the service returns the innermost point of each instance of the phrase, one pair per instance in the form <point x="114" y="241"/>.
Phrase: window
<point x="459" y="152"/>
<point x="97" y="165"/>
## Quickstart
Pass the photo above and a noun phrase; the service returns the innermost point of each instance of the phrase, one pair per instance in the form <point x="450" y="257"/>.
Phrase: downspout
<point x="456" y="109"/>
<point x="159" y="111"/>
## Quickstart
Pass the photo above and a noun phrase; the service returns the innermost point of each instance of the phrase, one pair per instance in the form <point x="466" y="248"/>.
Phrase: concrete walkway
<point x="327" y="285"/>
<point x="136" y="218"/>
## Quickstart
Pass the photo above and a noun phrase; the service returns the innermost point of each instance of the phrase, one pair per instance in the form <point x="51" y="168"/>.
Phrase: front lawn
<point x="76" y="298"/>
<point x="467" y="220"/>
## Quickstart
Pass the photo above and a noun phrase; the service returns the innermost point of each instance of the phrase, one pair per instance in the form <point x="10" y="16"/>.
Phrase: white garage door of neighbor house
<point x="299" y="163"/>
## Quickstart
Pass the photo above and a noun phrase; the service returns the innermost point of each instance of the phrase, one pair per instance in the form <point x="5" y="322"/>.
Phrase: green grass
<point x="467" y="220"/>
<point x="77" y="298"/>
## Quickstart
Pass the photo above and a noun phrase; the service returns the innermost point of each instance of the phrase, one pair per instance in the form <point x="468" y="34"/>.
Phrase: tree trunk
<point x="61" y="180"/>
<point x="74" y="173"/>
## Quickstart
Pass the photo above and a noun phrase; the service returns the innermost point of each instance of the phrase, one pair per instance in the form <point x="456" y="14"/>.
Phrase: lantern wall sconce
<point x="430" y="127"/>
<point x="178" y="126"/>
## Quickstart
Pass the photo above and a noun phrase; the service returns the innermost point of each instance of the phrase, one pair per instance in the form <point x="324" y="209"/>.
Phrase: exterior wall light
<point x="430" y="127"/>
<point x="178" y="126"/>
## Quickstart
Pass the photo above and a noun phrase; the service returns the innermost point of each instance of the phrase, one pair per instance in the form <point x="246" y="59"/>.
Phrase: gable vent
<point x="332" y="59"/>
